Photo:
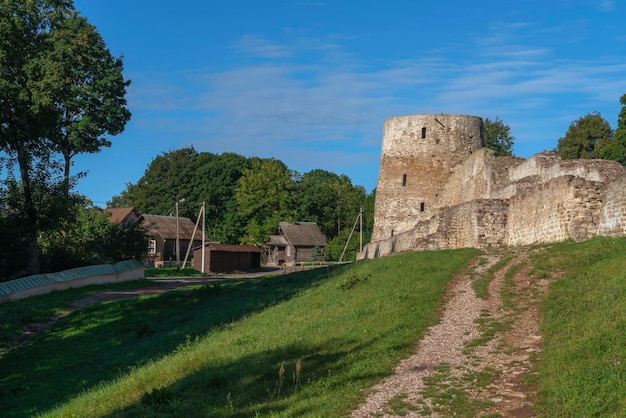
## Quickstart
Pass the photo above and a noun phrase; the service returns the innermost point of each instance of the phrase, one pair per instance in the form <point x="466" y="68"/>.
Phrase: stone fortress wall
<point x="439" y="187"/>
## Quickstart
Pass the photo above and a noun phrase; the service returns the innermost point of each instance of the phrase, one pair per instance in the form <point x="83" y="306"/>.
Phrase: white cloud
<point x="606" y="5"/>
<point x="325" y="107"/>
<point x="259" y="47"/>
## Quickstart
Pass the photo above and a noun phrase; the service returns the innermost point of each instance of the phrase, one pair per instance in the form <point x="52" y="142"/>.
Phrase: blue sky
<point x="311" y="82"/>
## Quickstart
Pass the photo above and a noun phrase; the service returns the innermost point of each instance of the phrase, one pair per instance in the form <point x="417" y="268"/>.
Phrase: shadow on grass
<point x="104" y="341"/>
<point x="251" y="386"/>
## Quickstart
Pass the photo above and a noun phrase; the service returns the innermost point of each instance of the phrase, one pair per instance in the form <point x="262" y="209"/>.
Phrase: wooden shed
<point x="226" y="258"/>
<point x="296" y="242"/>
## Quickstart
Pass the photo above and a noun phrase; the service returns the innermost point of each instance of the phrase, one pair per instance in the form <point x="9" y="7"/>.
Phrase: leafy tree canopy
<point x="60" y="92"/>
<point x="584" y="136"/>
<point x="498" y="137"/>
<point x="614" y="148"/>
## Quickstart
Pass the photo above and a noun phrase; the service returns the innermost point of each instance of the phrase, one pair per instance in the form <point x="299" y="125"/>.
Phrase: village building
<point x="296" y="242"/>
<point x="162" y="232"/>
<point x="124" y="216"/>
<point x="226" y="258"/>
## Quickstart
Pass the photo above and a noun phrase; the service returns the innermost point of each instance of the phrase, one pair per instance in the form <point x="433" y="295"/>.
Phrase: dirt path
<point x="474" y="362"/>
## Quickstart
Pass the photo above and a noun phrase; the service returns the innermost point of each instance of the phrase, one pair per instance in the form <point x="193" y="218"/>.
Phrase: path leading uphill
<point x="474" y="362"/>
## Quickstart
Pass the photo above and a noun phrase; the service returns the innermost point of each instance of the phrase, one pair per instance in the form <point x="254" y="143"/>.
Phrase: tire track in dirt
<point x="497" y="337"/>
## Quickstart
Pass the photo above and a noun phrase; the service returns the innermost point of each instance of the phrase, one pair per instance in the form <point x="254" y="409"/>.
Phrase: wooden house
<point x="161" y="231"/>
<point x="296" y="242"/>
<point x="226" y="258"/>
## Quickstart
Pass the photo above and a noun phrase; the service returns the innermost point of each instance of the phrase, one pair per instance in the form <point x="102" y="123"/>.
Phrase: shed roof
<point x="231" y="248"/>
<point x="303" y="234"/>
<point x="165" y="226"/>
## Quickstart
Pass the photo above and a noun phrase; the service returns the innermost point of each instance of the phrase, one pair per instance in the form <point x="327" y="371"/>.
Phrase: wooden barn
<point x="296" y="242"/>
<point x="161" y="231"/>
<point x="226" y="258"/>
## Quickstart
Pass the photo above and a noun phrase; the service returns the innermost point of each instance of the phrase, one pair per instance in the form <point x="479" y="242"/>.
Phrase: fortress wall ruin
<point x="475" y="199"/>
<point x="612" y="217"/>
<point x="565" y="207"/>
<point x="419" y="154"/>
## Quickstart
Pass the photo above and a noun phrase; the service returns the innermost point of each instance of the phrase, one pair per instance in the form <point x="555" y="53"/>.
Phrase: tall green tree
<point x="37" y="110"/>
<point x="265" y="197"/>
<point x="197" y="177"/>
<point x="498" y="137"/>
<point x="169" y="178"/>
<point x="328" y="199"/>
<point x="89" y="90"/>
<point x="583" y="137"/>
<point x="614" y="148"/>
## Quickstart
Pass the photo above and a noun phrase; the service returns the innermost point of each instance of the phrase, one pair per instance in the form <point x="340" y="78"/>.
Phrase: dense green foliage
<point x="584" y="137"/>
<point x="61" y="91"/>
<point x="591" y="136"/>
<point x="247" y="197"/>
<point x="498" y="137"/>
<point x="92" y="239"/>
<point x="217" y="350"/>
<point x="615" y="148"/>
<point x="72" y="234"/>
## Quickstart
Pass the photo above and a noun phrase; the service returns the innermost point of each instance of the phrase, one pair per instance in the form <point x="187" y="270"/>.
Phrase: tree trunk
<point x="30" y="211"/>
<point x="66" y="172"/>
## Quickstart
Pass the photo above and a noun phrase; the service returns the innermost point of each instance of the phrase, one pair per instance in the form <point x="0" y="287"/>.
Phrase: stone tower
<point x="419" y="155"/>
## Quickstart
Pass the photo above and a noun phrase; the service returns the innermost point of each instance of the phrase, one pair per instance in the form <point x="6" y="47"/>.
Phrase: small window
<point x="422" y="207"/>
<point x="423" y="132"/>
<point x="403" y="180"/>
<point x="152" y="246"/>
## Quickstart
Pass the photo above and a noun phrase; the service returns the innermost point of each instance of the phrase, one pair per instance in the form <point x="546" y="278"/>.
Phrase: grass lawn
<point x="305" y="344"/>
<point x="583" y="368"/>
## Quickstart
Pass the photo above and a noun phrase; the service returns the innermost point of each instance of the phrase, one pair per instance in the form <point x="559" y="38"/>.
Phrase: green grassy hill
<point x="305" y="344"/>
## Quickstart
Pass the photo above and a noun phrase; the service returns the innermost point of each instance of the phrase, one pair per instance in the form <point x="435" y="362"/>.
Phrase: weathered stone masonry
<point x="439" y="187"/>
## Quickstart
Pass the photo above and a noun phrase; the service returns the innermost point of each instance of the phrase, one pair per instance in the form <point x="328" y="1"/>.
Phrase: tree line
<point x="246" y="197"/>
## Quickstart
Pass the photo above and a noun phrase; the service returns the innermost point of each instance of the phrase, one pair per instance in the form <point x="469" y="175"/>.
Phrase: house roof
<point x="303" y="234"/>
<point x="165" y="226"/>
<point x="231" y="248"/>
<point x="119" y="215"/>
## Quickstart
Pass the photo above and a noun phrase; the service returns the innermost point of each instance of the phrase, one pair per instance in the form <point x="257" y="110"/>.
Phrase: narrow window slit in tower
<point x="422" y="207"/>
<point x="403" y="180"/>
<point x="423" y="132"/>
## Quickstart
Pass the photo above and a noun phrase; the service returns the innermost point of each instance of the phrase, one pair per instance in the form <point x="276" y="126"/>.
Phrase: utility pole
<point x="358" y="217"/>
<point x="203" y="233"/>
<point x="178" y="235"/>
